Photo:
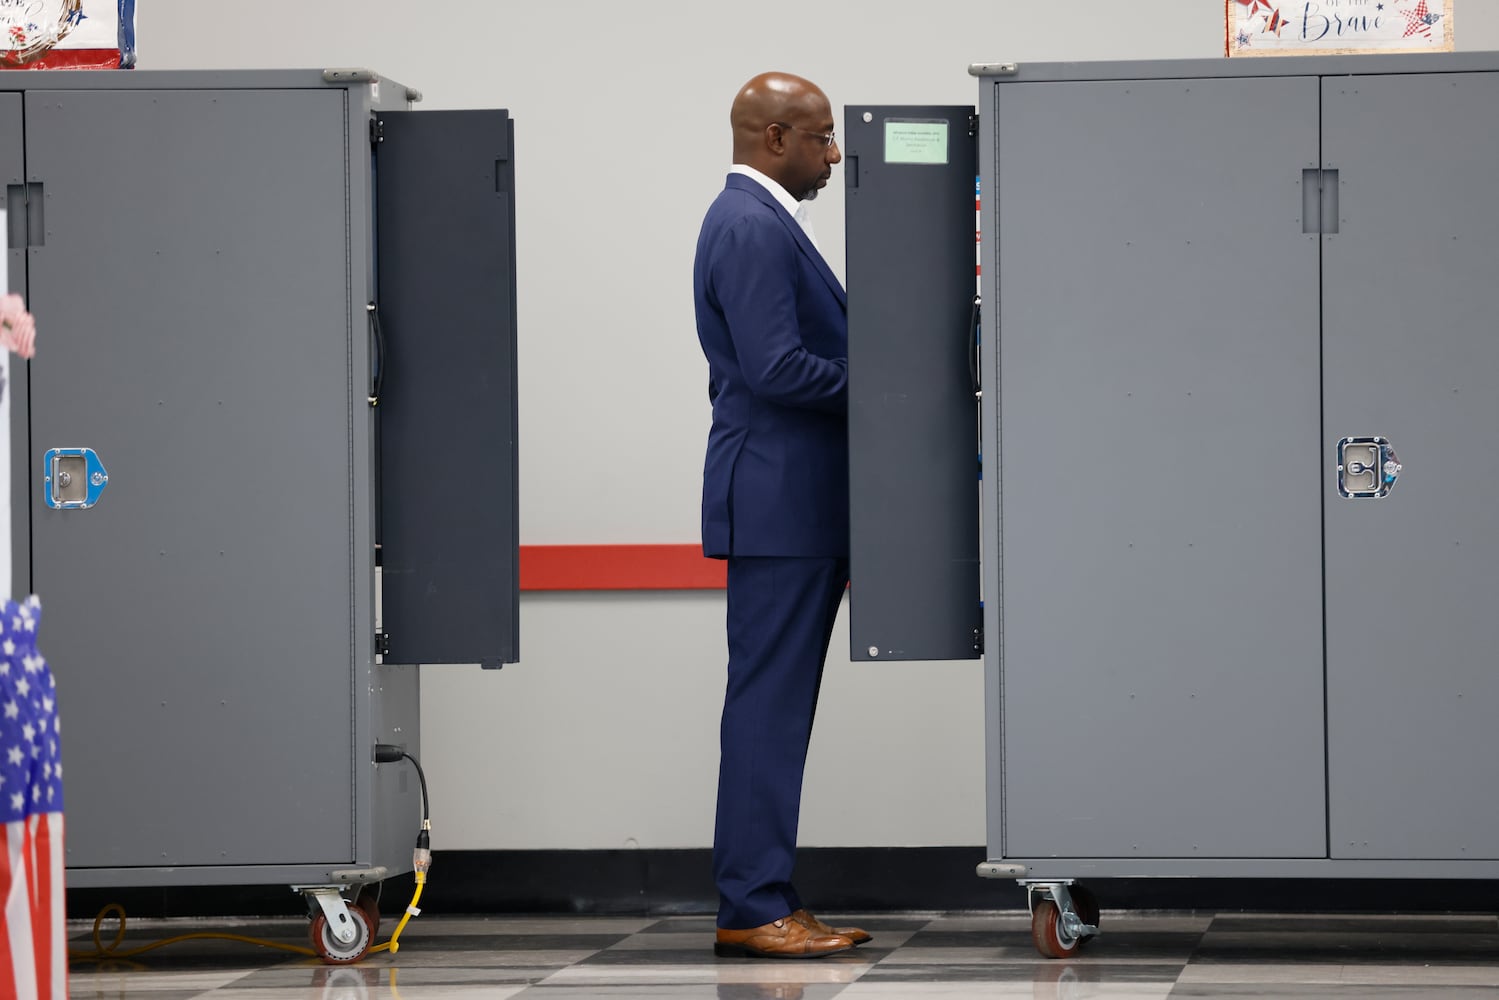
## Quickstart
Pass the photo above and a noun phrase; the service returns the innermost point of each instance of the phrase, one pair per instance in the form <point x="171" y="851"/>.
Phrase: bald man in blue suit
<point x="772" y="319"/>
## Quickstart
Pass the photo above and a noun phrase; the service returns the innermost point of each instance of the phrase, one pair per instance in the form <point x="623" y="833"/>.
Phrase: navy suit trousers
<point x="780" y="620"/>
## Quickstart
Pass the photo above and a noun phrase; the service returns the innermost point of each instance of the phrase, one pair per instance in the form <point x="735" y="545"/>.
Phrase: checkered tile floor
<point x="918" y="955"/>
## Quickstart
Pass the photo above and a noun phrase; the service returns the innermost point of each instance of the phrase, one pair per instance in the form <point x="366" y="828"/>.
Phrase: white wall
<point x="606" y="734"/>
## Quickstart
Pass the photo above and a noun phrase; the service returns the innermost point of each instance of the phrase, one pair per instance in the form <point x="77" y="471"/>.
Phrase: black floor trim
<point x="831" y="880"/>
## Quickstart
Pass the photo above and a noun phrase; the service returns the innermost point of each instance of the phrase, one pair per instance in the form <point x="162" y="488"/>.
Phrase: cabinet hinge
<point x="377" y="131"/>
<point x="973" y="124"/>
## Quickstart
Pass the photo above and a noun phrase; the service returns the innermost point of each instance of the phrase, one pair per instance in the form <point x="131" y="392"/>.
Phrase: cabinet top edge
<point x="1181" y="69"/>
<point x="332" y="78"/>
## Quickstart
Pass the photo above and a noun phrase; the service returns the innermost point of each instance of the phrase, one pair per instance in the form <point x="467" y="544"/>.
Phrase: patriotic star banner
<point x="67" y="34"/>
<point x="1313" y="27"/>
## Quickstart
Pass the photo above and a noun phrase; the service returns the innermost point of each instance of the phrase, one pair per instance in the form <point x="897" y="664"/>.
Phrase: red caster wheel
<point x="1047" y="933"/>
<point x="335" y="952"/>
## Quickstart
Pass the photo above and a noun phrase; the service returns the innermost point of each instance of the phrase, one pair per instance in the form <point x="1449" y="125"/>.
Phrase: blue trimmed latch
<point x="73" y="478"/>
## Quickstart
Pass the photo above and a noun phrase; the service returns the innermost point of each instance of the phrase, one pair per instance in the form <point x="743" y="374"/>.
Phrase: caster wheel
<point x="1047" y="933"/>
<point x="1086" y="905"/>
<point x="335" y="952"/>
<point x="370" y="904"/>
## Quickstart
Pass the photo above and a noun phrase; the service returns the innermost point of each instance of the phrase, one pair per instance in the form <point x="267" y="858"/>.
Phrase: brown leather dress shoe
<point x="855" y="934"/>
<point x="784" y="938"/>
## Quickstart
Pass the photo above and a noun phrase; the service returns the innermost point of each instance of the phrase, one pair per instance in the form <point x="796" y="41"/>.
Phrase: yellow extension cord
<point x="102" y="952"/>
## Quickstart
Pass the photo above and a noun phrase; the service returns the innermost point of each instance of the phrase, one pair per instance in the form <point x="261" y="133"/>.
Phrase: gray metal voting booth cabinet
<point x="1207" y="652"/>
<point x="227" y="268"/>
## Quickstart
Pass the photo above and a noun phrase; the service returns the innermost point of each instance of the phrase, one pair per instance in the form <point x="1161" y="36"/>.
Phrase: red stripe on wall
<point x="619" y="567"/>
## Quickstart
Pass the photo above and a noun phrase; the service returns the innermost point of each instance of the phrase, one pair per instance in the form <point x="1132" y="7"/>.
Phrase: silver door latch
<point x="1367" y="467"/>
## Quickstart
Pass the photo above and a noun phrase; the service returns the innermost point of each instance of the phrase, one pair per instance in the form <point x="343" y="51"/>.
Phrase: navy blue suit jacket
<point x="773" y="323"/>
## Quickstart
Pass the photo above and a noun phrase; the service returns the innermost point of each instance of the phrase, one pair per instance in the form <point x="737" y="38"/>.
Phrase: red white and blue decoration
<point x="1307" y="27"/>
<point x="67" y="34"/>
<point x="33" y="929"/>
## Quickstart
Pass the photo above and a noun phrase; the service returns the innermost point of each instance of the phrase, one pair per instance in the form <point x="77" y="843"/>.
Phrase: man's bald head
<point x="772" y="97"/>
<point x="778" y="121"/>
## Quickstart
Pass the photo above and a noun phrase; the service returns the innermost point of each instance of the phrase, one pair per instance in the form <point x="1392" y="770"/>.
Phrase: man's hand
<point x="17" y="326"/>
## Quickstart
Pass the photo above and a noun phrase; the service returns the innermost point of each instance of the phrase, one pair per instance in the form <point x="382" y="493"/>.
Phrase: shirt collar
<point x="780" y="194"/>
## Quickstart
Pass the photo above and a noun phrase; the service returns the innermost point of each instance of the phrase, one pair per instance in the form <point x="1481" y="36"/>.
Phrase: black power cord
<point x="389" y="753"/>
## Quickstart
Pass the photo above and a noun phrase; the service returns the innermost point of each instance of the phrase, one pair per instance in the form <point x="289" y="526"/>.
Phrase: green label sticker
<point x="915" y="140"/>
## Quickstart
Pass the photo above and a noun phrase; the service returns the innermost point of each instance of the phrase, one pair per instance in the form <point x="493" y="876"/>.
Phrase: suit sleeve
<point x="754" y="275"/>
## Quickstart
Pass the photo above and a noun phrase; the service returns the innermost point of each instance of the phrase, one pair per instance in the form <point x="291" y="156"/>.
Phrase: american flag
<point x="33" y="934"/>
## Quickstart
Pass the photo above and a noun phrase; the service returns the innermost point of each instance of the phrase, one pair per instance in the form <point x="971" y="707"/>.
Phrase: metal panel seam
<point x="349" y="403"/>
<point x="1322" y="490"/>
<point x="30" y="424"/>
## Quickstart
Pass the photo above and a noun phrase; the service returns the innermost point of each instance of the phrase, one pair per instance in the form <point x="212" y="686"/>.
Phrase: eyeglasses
<point x="827" y="138"/>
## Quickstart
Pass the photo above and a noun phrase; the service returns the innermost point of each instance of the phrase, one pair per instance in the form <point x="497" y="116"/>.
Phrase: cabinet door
<point x="1161" y="663"/>
<point x="192" y="292"/>
<point x="449" y="512"/>
<point x="1411" y="354"/>
<point x="912" y="415"/>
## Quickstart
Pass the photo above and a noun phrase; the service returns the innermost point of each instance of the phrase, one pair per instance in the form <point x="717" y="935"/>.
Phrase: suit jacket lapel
<point x="797" y="233"/>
